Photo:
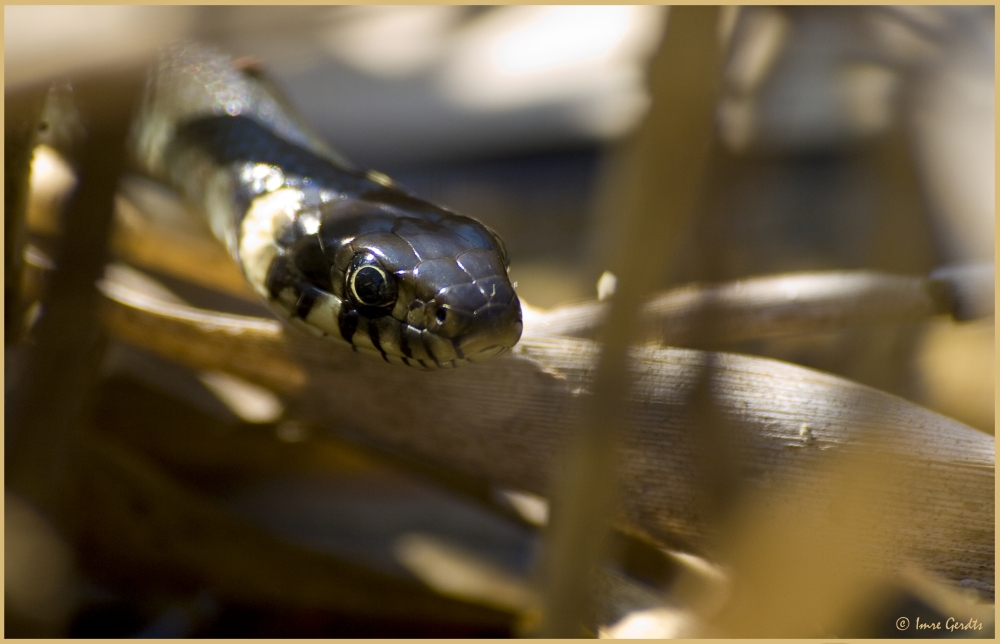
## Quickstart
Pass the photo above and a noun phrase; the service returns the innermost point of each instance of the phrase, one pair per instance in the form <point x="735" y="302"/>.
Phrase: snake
<point x="338" y="252"/>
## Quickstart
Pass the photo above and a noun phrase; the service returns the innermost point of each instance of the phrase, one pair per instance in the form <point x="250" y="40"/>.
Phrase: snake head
<point x="430" y="287"/>
<point x="397" y="277"/>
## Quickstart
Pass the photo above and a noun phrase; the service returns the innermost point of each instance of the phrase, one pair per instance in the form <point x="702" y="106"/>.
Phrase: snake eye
<point x="369" y="284"/>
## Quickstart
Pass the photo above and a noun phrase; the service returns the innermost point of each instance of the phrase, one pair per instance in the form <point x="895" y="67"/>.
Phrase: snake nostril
<point x="441" y="315"/>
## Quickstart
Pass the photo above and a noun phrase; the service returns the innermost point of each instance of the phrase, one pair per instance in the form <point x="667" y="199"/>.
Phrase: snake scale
<point x="334" y="251"/>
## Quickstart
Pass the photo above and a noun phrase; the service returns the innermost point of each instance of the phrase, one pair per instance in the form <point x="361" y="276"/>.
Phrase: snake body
<point x="335" y="251"/>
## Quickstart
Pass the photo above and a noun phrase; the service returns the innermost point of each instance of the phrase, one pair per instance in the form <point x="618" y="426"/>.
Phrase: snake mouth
<point x="487" y="353"/>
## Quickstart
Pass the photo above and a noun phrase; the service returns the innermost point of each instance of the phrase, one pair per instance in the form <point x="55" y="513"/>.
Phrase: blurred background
<point x="847" y="138"/>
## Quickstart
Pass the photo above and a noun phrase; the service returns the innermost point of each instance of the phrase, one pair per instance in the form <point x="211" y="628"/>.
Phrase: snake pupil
<point x="370" y="286"/>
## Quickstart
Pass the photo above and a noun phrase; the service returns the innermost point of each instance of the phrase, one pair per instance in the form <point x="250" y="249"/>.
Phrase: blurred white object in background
<point x="252" y="403"/>
<point x="452" y="570"/>
<point x="43" y="42"/>
<point x="656" y="623"/>
<point x="393" y="85"/>
<point x="392" y="42"/>
<point x="52" y="178"/>
<point x="590" y="58"/>
<point x="952" y="115"/>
